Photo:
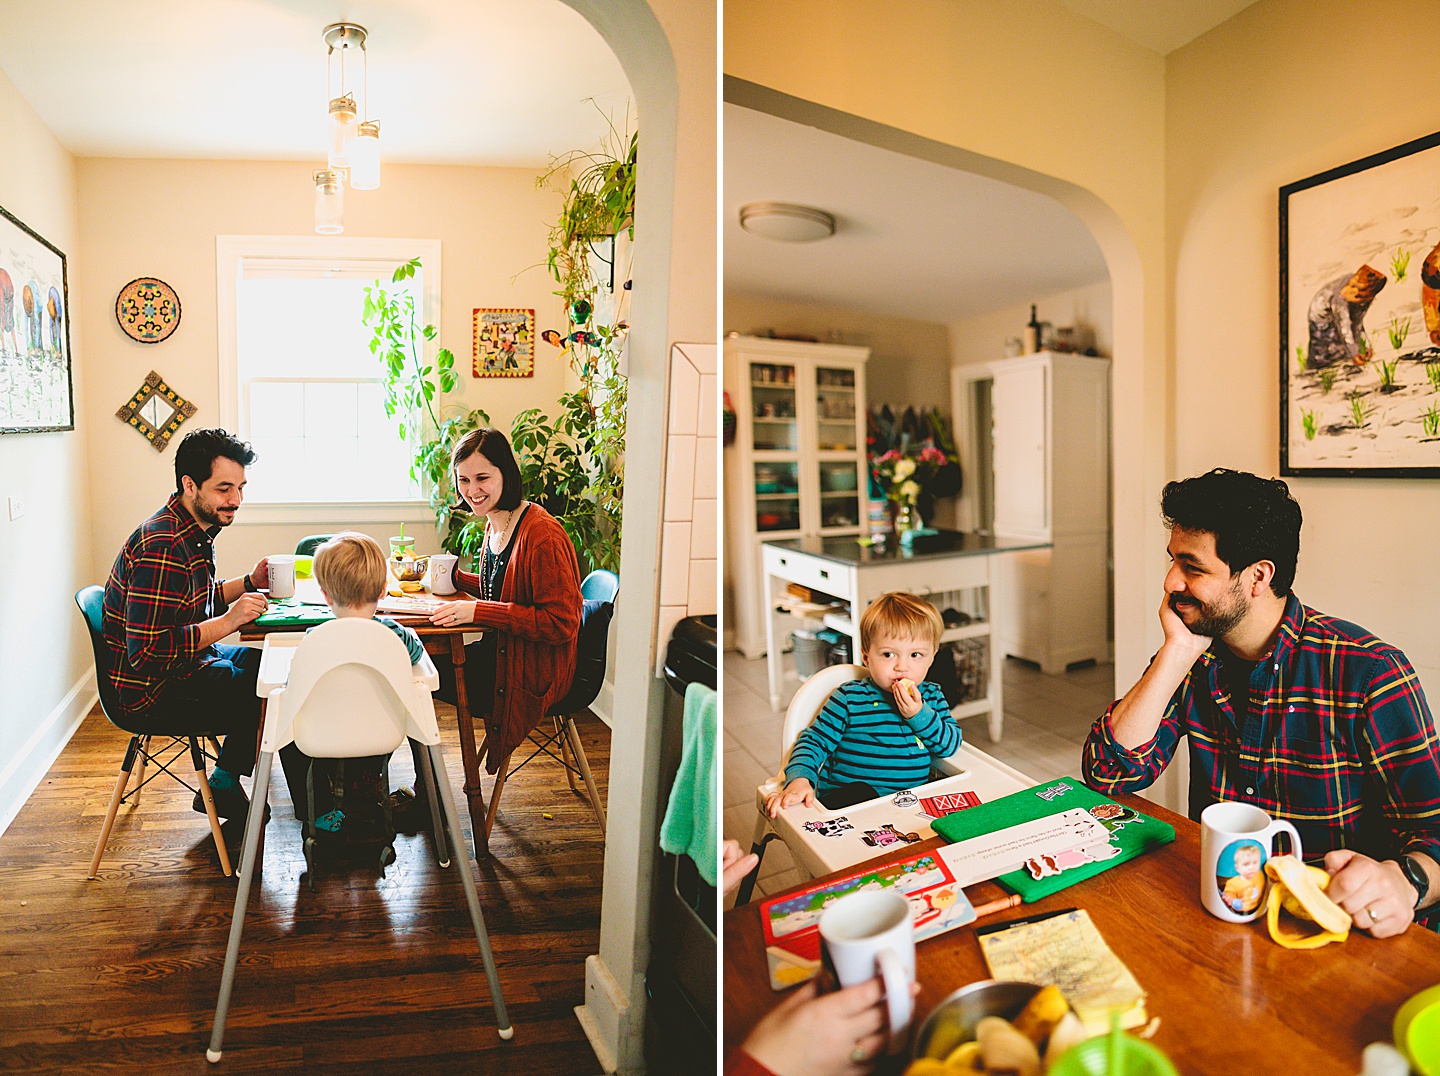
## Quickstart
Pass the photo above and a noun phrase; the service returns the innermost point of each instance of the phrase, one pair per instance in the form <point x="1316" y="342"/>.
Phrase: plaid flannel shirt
<point x="160" y="589"/>
<point x="1339" y="741"/>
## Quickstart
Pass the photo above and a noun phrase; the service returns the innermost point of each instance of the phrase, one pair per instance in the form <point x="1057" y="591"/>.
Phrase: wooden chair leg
<point x="495" y="798"/>
<point x="579" y="752"/>
<point x="115" y="797"/>
<point x="566" y="755"/>
<point x="140" y="770"/>
<point x="198" y="758"/>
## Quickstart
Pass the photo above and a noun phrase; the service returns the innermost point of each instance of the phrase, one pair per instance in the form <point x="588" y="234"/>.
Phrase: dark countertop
<point x="845" y="549"/>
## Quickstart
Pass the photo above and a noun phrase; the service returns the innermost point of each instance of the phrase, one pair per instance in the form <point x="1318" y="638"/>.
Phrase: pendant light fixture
<point x="353" y="148"/>
<point x="329" y="202"/>
<point x="344" y="117"/>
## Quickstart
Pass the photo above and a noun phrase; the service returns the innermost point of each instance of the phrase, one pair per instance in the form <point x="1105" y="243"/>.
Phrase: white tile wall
<point x="689" y="580"/>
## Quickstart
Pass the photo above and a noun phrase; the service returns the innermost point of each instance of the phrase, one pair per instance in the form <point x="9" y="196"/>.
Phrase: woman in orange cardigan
<point x="528" y="591"/>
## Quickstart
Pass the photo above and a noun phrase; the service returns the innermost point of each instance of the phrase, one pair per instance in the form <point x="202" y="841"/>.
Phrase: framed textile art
<point x="1360" y="317"/>
<point x="148" y="310"/>
<point x="156" y="411"/>
<point x="504" y="342"/>
<point x="36" y="392"/>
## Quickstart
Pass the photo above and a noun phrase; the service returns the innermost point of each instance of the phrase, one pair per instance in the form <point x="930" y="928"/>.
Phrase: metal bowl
<point x="953" y="1021"/>
<point x="409" y="569"/>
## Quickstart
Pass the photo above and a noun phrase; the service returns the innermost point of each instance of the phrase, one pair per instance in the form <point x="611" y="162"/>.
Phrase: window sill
<point x="334" y="513"/>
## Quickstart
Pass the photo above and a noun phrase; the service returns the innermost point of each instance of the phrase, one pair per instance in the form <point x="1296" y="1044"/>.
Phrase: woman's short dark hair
<point x="495" y="447"/>
<point x="198" y="450"/>
<point x="1252" y="519"/>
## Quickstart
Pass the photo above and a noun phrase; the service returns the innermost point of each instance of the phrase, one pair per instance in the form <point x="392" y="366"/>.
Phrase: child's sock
<point x="221" y="779"/>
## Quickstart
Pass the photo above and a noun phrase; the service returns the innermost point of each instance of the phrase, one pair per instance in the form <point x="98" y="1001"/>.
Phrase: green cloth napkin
<point x="690" y="826"/>
<point x="1131" y="832"/>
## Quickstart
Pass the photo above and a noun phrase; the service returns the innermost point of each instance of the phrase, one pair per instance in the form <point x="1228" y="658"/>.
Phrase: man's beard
<point x="208" y="516"/>
<point x="1215" y="620"/>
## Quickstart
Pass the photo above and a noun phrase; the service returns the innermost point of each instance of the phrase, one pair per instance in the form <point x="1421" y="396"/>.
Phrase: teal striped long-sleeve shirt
<point x="859" y="735"/>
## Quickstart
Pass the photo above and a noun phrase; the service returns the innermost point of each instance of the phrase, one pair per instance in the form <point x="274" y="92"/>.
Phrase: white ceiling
<point x="914" y="239"/>
<point x="1159" y="25"/>
<point x="499" y="82"/>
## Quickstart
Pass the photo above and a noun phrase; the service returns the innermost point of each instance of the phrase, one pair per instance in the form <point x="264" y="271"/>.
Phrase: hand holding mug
<point x="870" y="933"/>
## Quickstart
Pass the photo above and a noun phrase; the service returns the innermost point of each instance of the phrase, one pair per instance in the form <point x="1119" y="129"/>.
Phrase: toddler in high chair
<point x="350" y="569"/>
<point x="878" y="735"/>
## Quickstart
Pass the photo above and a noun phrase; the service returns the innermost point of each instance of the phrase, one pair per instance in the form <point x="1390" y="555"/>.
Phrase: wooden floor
<point x="364" y="975"/>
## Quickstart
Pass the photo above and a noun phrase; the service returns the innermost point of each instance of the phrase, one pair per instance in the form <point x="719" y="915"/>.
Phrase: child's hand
<point x="797" y="791"/>
<point x="907" y="698"/>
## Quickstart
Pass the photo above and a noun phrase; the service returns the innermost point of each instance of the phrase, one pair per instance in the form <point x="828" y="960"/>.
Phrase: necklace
<point x="490" y="563"/>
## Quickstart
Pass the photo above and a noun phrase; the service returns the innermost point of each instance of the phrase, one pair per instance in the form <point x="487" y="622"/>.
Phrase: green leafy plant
<point x="1300" y="359"/>
<point x="413" y="387"/>
<point x="1399" y="263"/>
<point x="1360" y="409"/>
<point x="1399" y="329"/>
<point x="1432" y="371"/>
<point x="1386" y="372"/>
<point x="1327" y="380"/>
<point x="1431" y="421"/>
<point x="1308" y="420"/>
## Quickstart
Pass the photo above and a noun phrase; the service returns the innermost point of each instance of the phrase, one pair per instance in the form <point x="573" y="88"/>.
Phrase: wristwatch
<point x="251" y="588"/>
<point x="1416" y="876"/>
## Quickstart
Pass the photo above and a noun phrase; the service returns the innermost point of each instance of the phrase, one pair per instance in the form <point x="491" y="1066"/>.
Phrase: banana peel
<point x="1299" y="890"/>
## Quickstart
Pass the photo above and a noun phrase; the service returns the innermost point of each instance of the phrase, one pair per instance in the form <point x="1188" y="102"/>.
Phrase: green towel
<point x="690" y="819"/>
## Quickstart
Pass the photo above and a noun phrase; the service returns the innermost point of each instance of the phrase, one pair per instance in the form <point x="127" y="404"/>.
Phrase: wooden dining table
<point x="1229" y="1000"/>
<point x="447" y="643"/>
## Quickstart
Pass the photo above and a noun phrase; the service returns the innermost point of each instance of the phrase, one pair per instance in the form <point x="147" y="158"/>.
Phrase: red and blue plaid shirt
<point x="1337" y="738"/>
<point x="160" y="589"/>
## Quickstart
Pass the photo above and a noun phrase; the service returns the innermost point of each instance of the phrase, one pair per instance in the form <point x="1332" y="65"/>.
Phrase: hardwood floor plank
<point x="364" y="975"/>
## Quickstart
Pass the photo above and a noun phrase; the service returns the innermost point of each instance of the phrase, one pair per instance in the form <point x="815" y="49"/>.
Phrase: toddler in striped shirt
<point x="876" y="736"/>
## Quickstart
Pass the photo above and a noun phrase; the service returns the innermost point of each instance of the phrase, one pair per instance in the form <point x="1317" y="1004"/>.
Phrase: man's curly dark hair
<point x="1252" y="519"/>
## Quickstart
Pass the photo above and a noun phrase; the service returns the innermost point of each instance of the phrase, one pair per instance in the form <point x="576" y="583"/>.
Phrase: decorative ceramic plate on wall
<point x="148" y="310"/>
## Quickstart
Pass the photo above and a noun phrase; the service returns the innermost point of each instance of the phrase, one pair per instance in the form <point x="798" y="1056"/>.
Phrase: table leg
<point x="473" y="792"/>
<point x="774" y="659"/>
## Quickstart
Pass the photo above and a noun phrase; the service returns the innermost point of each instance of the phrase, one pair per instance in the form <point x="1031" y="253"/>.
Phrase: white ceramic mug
<point x="1235" y="841"/>
<point x="442" y="573"/>
<point x="872" y="932"/>
<point x="282" y="576"/>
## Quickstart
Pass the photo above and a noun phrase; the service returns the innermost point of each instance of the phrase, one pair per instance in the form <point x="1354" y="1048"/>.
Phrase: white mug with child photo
<point x="1235" y="841"/>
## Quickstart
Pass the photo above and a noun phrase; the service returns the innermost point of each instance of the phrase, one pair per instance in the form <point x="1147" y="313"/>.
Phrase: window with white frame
<point x="305" y="390"/>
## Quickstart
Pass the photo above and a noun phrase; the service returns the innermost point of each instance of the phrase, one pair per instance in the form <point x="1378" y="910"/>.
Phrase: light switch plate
<point x="17" y="507"/>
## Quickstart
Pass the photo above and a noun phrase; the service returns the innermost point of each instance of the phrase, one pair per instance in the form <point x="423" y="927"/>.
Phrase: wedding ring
<point x="1373" y="917"/>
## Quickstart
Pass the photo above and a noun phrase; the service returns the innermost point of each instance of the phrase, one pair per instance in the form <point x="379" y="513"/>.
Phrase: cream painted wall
<point x="1029" y="92"/>
<point x="45" y="556"/>
<point x="982" y="338"/>
<point x="1250" y="108"/>
<point x="492" y="224"/>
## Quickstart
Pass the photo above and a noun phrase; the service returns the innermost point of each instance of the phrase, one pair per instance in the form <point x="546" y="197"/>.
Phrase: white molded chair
<point x="968" y="769"/>
<point x="351" y="692"/>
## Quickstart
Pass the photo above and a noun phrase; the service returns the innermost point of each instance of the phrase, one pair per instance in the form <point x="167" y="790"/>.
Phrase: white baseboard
<point x="23" y="773"/>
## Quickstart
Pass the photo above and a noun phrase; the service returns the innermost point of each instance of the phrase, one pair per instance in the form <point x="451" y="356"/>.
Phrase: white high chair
<point x="967" y="770"/>
<point x="350" y="692"/>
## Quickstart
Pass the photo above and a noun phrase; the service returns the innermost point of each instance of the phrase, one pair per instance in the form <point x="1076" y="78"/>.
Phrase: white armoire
<point x="1034" y="434"/>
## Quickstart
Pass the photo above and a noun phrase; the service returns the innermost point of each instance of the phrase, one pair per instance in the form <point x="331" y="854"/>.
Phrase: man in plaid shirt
<point x="1306" y="716"/>
<point x="165" y="613"/>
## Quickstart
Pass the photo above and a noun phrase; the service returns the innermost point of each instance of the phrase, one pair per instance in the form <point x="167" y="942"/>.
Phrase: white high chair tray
<point x="823" y="841"/>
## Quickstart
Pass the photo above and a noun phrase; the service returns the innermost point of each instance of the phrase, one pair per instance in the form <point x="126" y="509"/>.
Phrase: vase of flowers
<point x="903" y="477"/>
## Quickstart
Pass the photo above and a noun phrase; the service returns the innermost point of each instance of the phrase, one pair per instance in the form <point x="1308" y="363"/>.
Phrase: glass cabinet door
<point x="777" y="495"/>
<point x="772" y="396"/>
<point x="835" y="409"/>
<point x="839" y="493"/>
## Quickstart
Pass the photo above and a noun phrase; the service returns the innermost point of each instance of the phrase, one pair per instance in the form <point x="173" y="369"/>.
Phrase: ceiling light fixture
<point x="353" y="149"/>
<point x="787" y="222"/>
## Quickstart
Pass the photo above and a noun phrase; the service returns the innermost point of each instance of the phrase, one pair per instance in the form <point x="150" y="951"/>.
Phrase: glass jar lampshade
<point x="329" y="202"/>
<point x="365" y="157"/>
<point x="342" y="130"/>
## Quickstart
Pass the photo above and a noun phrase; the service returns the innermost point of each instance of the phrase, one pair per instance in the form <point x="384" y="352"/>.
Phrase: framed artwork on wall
<point x="1360" y="317"/>
<point x="36" y="394"/>
<point x="504" y="342"/>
